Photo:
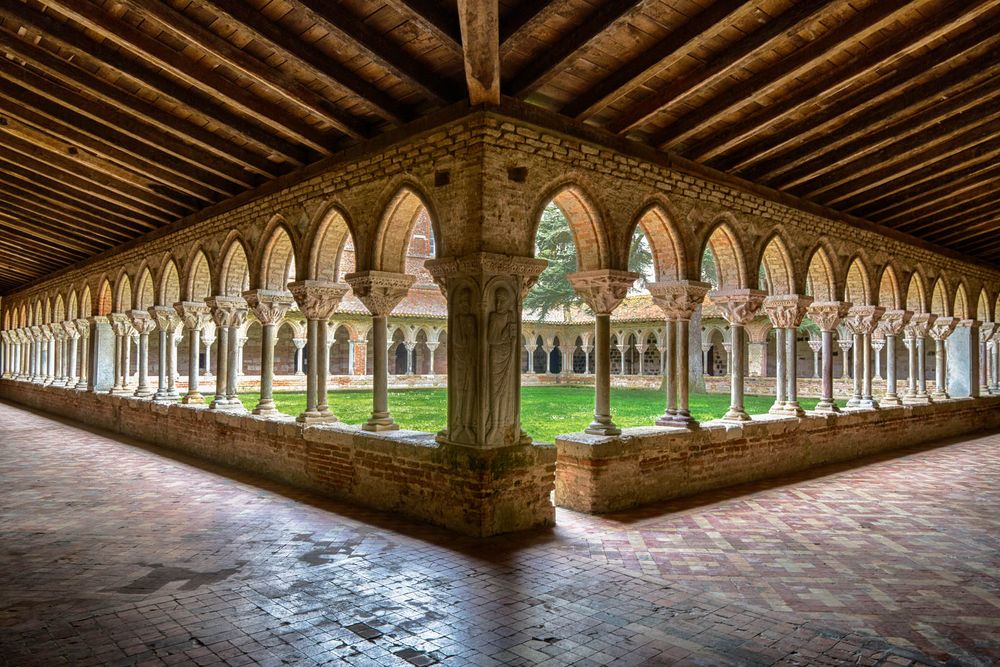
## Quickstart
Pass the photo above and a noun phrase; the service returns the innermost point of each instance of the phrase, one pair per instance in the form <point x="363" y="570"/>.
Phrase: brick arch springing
<point x="170" y="283"/>
<point x="916" y="294"/>
<point x="821" y="284"/>
<point x="779" y="271"/>
<point x="960" y="309"/>
<point x="730" y="265"/>
<point x="584" y="224"/>
<point x="857" y="287"/>
<point x="48" y="310"/>
<point x="145" y="295"/>
<point x="234" y="272"/>
<point x="105" y="302"/>
<point x="395" y="228"/>
<point x="86" y="302"/>
<point x="939" y="299"/>
<point x="72" y="305"/>
<point x="983" y="307"/>
<point x="326" y="243"/>
<point x="669" y="261"/>
<point x="198" y="285"/>
<point x="123" y="293"/>
<point x="277" y="258"/>
<point x="888" y="289"/>
<point x="24" y="316"/>
<point x="59" y="314"/>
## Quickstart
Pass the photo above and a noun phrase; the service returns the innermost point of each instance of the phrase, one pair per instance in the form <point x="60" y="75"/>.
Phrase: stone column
<point x="132" y="337"/>
<point x="995" y="388"/>
<point x="83" y="328"/>
<point x="167" y="322"/>
<point x="827" y="315"/>
<point x="72" y="340"/>
<point x="621" y="355"/>
<point x="58" y="338"/>
<point x="410" y="346"/>
<point x="878" y="342"/>
<point x="891" y="325"/>
<point x="785" y="313"/>
<point x="432" y="347"/>
<point x="918" y="327"/>
<point x="270" y="307"/>
<point x="208" y="337"/>
<point x="602" y="290"/>
<point x="300" y="344"/>
<point x="237" y="319"/>
<point x="640" y="349"/>
<point x="861" y="321"/>
<point x="381" y="292"/>
<point x="485" y="293"/>
<point x="228" y="312"/>
<point x="122" y="329"/>
<point x="144" y="324"/>
<point x="939" y="332"/>
<point x="195" y="315"/>
<point x="845" y="343"/>
<point x="816" y="346"/>
<point x="587" y="349"/>
<point x="986" y="331"/>
<point x="678" y="300"/>
<point x="758" y="331"/>
<point x="738" y="307"/>
<point x="317" y="300"/>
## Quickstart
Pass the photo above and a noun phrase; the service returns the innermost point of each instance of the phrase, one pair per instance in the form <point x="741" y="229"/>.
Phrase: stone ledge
<point x="475" y="492"/>
<point x="598" y="474"/>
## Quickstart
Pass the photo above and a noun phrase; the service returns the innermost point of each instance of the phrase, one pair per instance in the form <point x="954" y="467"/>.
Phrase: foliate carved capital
<point x="602" y="289"/>
<point x="942" y="328"/>
<point x="83" y="326"/>
<point x="863" y="319"/>
<point x="36" y="332"/>
<point x="786" y="311"/>
<point x="525" y="270"/>
<point x="920" y="324"/>
<point x="166" y="318"/>
<point x="318" y="299"/>
<point x="816" y="345"/>
<point x="45" y="331"/>
<point x="738" y="306"/>
<point x="120" y="324"/>
<point x="270" y="306"/>
<point x="379" y="291"/>
<point x="194" y="314"/>
<point x="987" y="330"/>
<point x="678" y="299"/>
<point x="70" y="328"/>
<point x="227" y="311"/>
<point x="5" y="336"/>
<point x="828" y="314"/>
<point x="142" y="322"/>
<point x="894" y="321"/>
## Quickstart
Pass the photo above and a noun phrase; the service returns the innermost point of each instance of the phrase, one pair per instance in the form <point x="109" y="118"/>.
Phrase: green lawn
<point x="545" y="411"/>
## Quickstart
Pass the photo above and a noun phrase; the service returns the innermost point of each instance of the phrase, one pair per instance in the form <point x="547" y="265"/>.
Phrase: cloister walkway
<point x="116" y="553"/>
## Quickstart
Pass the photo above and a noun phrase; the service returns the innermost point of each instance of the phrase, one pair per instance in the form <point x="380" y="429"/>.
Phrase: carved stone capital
<point x="194" y="314"/>
<point x="318" y="299"/>
<point x="920" y="324"/>
<point x="942" y="328"/>
<point x="525" y="270"/>
<point x="816" y="345"/>
<point x="863" y="319"/>
<point x="987" y="330"/>
<point x="270" y="306"/>
<point x="142" y="322"/>
<point x="828" y="314"/>
<point x="678" y="299"/>
<point x="83" y="326"/>
<point x="737" y="306"/>
<point x="379" y="291"/>
<point x="786" y="311"/>
<point x="602" y="289"/>
<point x="894" y="321"/>
<point x="121" y="324"/>
<point x="166" y="318"/>
<point x="227" y="311"/>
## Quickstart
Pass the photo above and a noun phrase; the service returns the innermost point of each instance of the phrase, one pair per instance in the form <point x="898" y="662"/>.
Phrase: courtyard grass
<point x="545" y="411"/>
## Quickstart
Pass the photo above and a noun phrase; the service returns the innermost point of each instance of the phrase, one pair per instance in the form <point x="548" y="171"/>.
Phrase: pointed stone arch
<point x="105" y="300"/>
<point x="778" y="268"/>
<point x="86" y="302"/>
<point x="727" y="253"/>
<point x="584" y="220"/>
<point x="889" y="295"/>
<point x="123" y="293"/>
<point x="198" y="277"/>
<point x="960" y="304"/>
<point x="821" y="282"/>
<point x="983" y="307"/>
<point x="857" y="285"/>
<point x="395" y="227"/>
<point x="669" y="257"/>
<point x="939" y="299"/>
<point x="276" y="257"/>
<point x="72" y="305"/>
<point x="59" y="314"/>
<point x="329" y="234"/>
<point x="145" y="292"/>
<point x="234" y="270"/>
<point x="169" y="291"/>
<point x="916" y="293"/>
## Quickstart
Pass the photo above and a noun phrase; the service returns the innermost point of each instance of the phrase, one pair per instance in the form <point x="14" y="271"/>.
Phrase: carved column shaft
<point x="678" y="300"/>
<point x="827" y="315"/>
<point x="739" y="307"/>
<point x="270" y="307"/>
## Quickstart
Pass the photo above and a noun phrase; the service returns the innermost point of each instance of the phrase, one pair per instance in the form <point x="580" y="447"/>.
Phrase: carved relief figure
<point x="465" y="353"/>
<point x="501" y="334"/>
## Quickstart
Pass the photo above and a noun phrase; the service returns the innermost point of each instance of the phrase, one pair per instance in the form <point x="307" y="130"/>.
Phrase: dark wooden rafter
<point x="927" y="193"/>
<point x="957" y="212"/>
<point x="432" y="18"/>
<point x="311" y="59"/>
<point x="523" y="20"/>
<point x="543" y="68"/>
<point x="865" y="23"/>
<point x="12" y="212"/>
<point x="40" y="210"/>
<point x="337" y="20"/>
<point x="82" y="48"/>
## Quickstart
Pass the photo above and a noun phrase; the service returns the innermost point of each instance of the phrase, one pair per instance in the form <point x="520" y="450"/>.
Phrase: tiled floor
<point x="114" y="553"/>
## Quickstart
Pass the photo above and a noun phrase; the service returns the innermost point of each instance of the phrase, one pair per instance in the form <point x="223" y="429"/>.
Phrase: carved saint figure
<point x="501" y="334"/>
<point x="463" y="343"/>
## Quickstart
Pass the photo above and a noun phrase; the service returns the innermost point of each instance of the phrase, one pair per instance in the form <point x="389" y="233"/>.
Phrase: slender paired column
<point x="300" y="344"/>
<point x="208" y="338"/>
<point x="380" y="292"/>
<point x="48" y="354"/>
<point x="317" y="300"/>
<point x="785" y="313"/>
<point x="224" y="310"/>
<point x="878" y="343"/>
<point x="995" y="387"/>
<point x="891" y="325"/>
<point x="195" y="315"/>
<point x="827" y="315"/>
<point x="602" y="290"/>
<point x="167" y="322"/>
<point x="987" y="330"/>
<point x="432" y="348"/>
<point x="71" y="338"/>
<point x="622" y="349"/>
<point x="678" y="300"/>
<point x="939" y="333"/>
<point x="739" y="307"/>
<point x="143" y="324"/>
<point x="270" y="307"/>
<point x="237" y="317"/>
<point x="122" y="328"/>
<point x="5" y="356"/>
<point x="83" y="327"/>
<point x="816" y="346"/>
<point x="918" y="327"/>
<point x="845" y="343"/>
<point x="485" y="293"/>
<point x="862" y="321"/>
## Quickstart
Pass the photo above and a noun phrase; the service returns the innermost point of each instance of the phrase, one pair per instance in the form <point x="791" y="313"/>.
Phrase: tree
<point x="554" y="242"/>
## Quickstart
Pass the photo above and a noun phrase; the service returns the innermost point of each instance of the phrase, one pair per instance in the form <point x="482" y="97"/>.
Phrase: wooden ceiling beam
<point x="212" y="85"/>
<point x="873" y="18"/>
<point x="73" y="220"/>
<point x="51" y="100"/>
<point x="650" y="62"/>
<point x="311" y="59"/>
<point x="122" y="150"/>
<point x="957" y="132"/>
<point x="931" y="223"/>
<point x="957" y="191"/>
<point x="927" y="192"/>
<point x="875" y="174"/>
<point x="711" y="149"/>
<point x="540" y="70"/>
<point x="16" y="259"/>
<point x="523" y="20"/>
<point x="432" y="18"/>
<point x="335" y="18"/>
<point x="204" y="103"/>
<point x="715" y="69"/>
<point x="26" y="211"/>
<point x="855" y="139"/>
<point x="105" y="185"/>
<point x="978" y="155"/>
<point x="989" y="226"/>
<point x="291" y="91"/>
<point x="49" y="243"/>
<point x="480" y="21"/>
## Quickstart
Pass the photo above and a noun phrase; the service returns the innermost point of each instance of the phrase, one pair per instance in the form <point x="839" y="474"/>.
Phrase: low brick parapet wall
<point x="475" y="492"/>
<point x="598" y="474"/>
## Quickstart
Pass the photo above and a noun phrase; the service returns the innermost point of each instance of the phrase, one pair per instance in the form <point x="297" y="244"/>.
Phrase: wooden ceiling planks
<point x="120" y="116"/>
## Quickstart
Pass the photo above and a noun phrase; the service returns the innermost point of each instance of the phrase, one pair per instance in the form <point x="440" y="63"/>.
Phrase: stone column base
<point x="317" y="418"/>
<point x="917" y="400"/>
<point x="868" y="404"/>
